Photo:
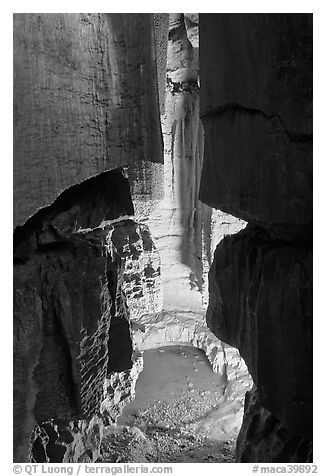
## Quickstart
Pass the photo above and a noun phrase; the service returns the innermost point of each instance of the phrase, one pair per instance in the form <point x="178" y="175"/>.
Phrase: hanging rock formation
<point x="85" y="101"/>
<point x="256" y="95"/>
<point x="256" y="106"/>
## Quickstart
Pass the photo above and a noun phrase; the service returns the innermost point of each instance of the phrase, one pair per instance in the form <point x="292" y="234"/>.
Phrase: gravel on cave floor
<point x="180" y="414"/>
<point x="168" y="445"/>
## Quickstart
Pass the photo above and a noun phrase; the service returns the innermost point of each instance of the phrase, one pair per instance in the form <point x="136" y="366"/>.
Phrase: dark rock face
<point x="56" y="441"/>
<point x="71" y="316"/>
<point x="161" y="30"/>
<point x="85" y="101"/>
<point x="256" y="106"/>
<point x="265" y="169"/>
<point x="272" y="71"/>
<point x="79" y="209"/>
<point x="263" y="438"/>
<point x="261" y="302"/>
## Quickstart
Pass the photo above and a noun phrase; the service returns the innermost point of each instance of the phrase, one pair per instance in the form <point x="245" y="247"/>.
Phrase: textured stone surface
<point x="119" y="389"/>
<point x="56" y="442"/>
<point x="85" y="101"/>
<point x="79" y="265"/>
<point x="172" y="223"/>
<point x="80" y="209"/>
<point x="141" y="278"/>
<point x="263" y="438"/>
<point x="253" y="170"/>
<point x="262" y="62"/>
<point x="185" y="230"/>
<point x="256" y="106"/>
<point x="215" y="226"/>
<point x="147" y="178"/>
<point x="70" y="335"/>
<point x="261" y="302"/>
<point x="27" y="344"/>
<point x="161" y="31"/>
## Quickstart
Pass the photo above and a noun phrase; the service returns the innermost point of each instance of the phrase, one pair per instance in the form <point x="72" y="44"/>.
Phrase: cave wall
<point x="256" y="107"/>
<point x="257" y="95"/>
<point x="85" y="101"/>
<point x="83" y="271"/>
<point x="87" y="134"/>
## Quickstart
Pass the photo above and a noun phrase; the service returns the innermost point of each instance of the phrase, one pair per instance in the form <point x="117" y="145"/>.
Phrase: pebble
<point x="162" y="424"/>
<point x="137" y="433"/>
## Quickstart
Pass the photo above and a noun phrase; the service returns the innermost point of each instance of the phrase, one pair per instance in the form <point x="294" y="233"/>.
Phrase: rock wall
<point x="256" y="106"/>
<point x="85" y="101"/>
<point x="80" y="265"/>
<point x="257" y="95"/>
<point x="260" y="289"/>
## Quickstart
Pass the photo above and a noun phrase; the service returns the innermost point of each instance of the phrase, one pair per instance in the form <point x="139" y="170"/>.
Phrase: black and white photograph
<point x="162" y="241"/>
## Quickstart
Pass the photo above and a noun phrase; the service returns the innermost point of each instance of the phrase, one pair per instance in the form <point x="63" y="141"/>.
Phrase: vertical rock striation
<point x="185" y="230"/>
<point x="183" y="140"/>
<point x="256" y="106"/>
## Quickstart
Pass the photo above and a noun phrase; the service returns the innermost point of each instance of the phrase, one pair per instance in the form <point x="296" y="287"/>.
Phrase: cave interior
<point x="162" y="238"/>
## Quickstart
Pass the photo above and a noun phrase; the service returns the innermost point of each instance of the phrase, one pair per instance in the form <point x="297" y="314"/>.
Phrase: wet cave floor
<point x="180" y="413"/>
